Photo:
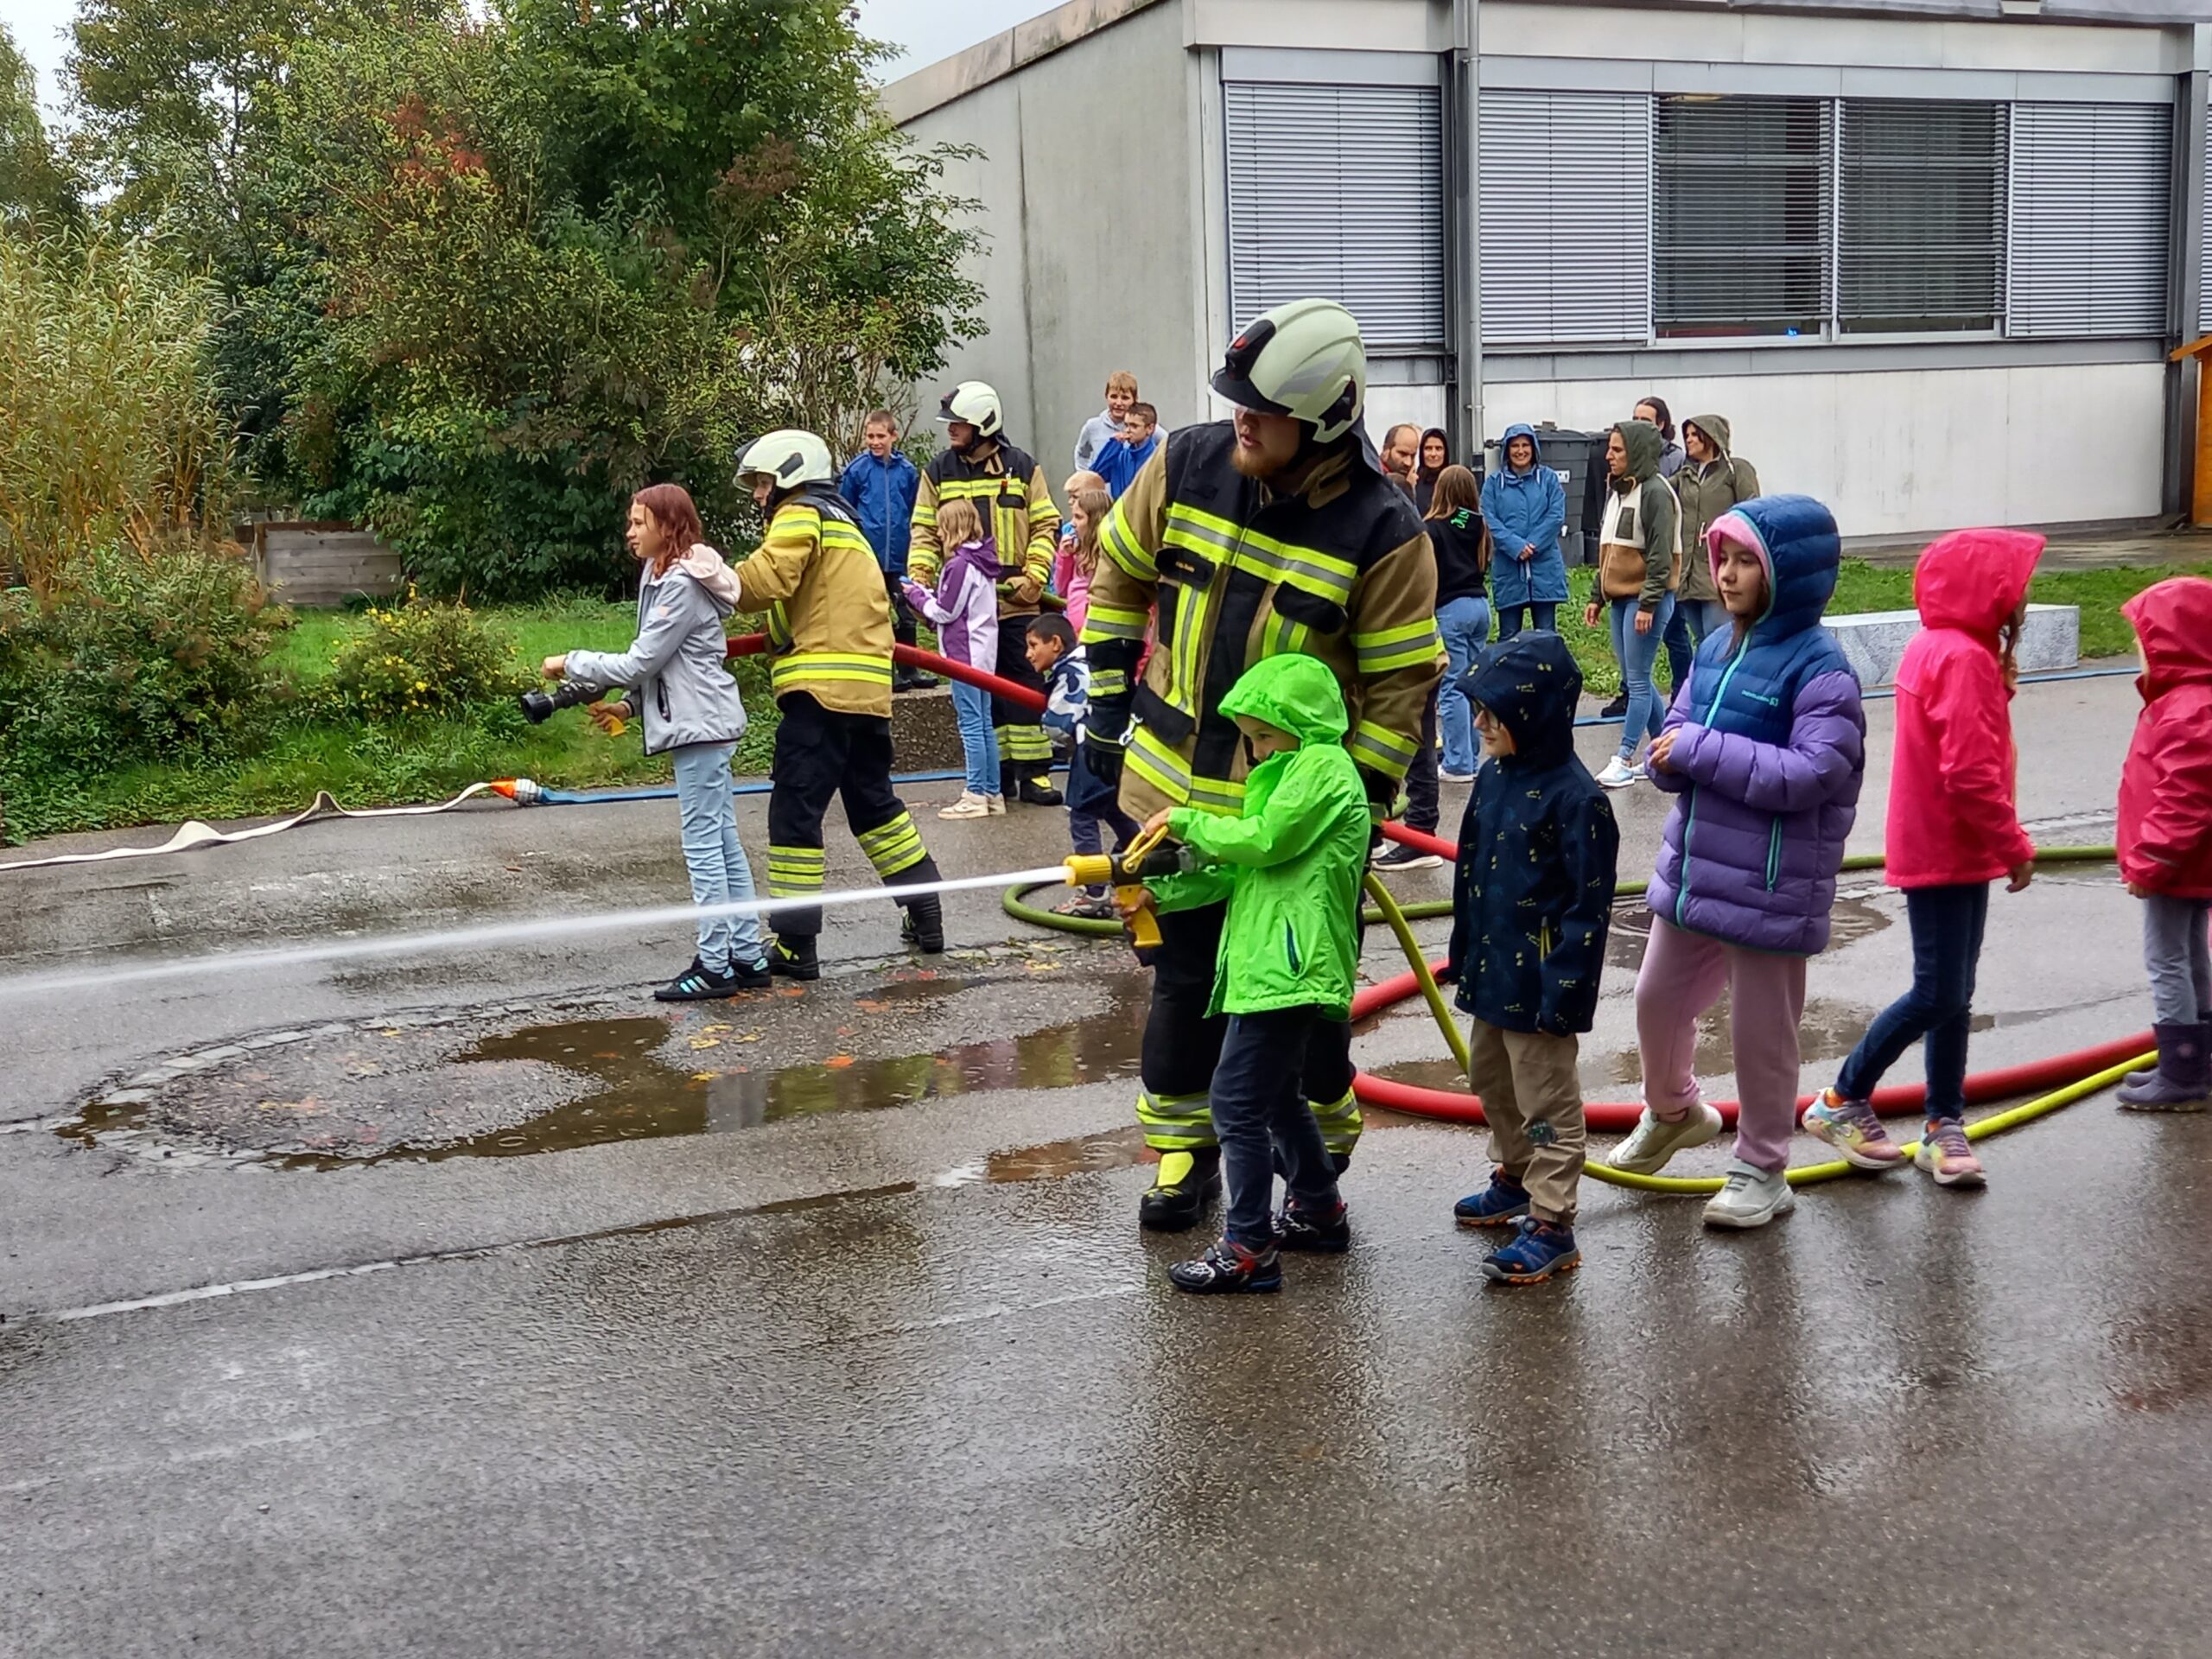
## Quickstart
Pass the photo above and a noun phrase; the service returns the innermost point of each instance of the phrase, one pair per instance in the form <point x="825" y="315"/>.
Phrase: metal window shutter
<point x="1741" y="200"/>
<point x="1566" y="218"/>
<point x="2204" y="249"/>
<point x="1922" y="241"/>
<point x="2090" y="184"/>
<point x="1338" y="193"/>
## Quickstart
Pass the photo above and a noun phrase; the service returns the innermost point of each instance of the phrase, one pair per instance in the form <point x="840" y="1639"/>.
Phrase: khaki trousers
<point x="1533" y="1097"/>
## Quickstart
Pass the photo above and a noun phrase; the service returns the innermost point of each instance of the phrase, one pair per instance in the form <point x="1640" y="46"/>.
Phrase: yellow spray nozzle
<point x="1089" y="869"/>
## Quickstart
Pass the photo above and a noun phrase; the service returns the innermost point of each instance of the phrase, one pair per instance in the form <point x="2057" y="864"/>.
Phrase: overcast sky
<point x="926" y="30"/>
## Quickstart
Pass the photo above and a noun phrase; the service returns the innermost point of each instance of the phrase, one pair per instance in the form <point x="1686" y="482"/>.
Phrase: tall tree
<point x="37" y="190"/>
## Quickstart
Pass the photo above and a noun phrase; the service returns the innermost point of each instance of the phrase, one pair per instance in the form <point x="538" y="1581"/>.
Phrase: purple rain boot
<point x="2183" y="1081"/>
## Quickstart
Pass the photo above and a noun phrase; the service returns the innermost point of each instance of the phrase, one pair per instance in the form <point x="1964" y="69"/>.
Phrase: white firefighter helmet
<point x="976" y="403"/>
<point x="787" y="459"/>
<point x="1305" y="360"/>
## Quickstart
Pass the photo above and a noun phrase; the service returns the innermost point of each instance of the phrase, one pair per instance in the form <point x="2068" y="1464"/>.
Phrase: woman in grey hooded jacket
<point x="689" y="706"/>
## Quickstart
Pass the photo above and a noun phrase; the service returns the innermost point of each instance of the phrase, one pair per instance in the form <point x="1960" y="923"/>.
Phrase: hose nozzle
<point x="523" y="792"/>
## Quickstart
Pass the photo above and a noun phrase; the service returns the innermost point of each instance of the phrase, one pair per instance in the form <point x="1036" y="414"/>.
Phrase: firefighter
<point x="1015" y="505"/>
<point x="829" y="638"/>
<point x="1276" y="531"/>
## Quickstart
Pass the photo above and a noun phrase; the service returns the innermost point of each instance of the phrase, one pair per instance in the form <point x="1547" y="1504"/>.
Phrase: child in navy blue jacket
<point x="1531" y="902"/>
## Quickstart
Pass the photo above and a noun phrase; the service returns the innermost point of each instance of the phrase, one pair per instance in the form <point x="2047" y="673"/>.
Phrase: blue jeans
<point x="1260" y="1115"/>
<point x="1946" y="926"/>
<point x="1636" y="653"/>
<point x="979" y="744"/>
<point x="716" y="858"/>
<point x="1512" y="617"/>
<point x="1694" y="620"/>
<point x="1464" y="624"/>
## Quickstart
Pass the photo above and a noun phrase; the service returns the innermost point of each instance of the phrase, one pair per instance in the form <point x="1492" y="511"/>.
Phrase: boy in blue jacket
<point x="880" y="485"/>
<point x="1531" y="902"/>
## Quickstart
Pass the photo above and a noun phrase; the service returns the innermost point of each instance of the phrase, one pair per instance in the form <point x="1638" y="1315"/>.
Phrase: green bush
<point x="422" y="657"/>
<point x="136" y="657"/>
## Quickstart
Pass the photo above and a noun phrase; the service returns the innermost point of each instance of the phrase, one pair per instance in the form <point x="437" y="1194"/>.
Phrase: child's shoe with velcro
<point x="1538" y="1249"/>
<point x="1502" y="1203"/>
<point x="1229" y="1269"/>
<point x="1314" y="1231"/>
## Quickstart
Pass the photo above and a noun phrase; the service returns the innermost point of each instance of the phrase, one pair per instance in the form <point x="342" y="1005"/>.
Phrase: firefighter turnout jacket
<point x="1340" y="570"/>
<point x="1015" y="505"/>
<point x="828" y="615"/>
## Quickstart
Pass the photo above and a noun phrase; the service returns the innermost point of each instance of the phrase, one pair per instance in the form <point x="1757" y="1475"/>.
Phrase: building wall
<point x="1086" y="177"/>
<point x="1914" y="452"/>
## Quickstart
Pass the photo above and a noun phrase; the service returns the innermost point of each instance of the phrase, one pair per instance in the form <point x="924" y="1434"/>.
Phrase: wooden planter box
<point x="306" y="563"/>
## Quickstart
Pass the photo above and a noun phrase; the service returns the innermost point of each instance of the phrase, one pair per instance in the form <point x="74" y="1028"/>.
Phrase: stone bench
<point x="1874" y="641"/>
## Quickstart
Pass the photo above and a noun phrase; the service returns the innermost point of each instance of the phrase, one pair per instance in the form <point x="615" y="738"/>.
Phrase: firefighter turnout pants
<point x="1025" y="748"/>
<point x="1182" y="1045"/>
<point x="821" y="754"/>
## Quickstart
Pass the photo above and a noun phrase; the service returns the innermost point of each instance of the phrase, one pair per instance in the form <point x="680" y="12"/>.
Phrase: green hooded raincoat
<point x="1295" y="856"/>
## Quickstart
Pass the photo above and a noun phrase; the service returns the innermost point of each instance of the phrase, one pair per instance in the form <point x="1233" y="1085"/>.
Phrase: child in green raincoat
<point x="1292" y="865"/>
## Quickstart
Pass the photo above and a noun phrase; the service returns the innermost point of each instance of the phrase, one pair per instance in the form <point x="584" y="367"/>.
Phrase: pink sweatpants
<point x="1683" y="975"/>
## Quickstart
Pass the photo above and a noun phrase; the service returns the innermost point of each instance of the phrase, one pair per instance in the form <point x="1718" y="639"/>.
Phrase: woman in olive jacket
<point x="1710" y="483"/>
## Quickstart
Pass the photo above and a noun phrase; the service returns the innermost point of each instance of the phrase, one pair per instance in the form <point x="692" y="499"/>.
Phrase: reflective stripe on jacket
<point x="829" y="617"/>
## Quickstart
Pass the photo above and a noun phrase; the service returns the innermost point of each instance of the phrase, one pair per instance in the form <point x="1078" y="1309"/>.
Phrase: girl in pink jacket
<point x="1953" y="828"/>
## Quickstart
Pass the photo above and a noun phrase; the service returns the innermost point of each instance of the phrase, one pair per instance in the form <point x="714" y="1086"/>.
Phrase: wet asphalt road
<point x="852" y="1346"/>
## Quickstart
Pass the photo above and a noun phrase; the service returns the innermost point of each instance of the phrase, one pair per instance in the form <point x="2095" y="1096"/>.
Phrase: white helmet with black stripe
<point x="787" y="459"/>
<point x="1305" y="360"/>
<point x="976" y="403"/>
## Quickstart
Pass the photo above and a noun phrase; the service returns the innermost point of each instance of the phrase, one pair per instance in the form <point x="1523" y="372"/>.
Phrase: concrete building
<point x="1929" y="256"/>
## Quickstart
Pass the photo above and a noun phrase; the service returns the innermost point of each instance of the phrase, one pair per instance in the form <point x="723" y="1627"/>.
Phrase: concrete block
<point x="1874" y="641"/>
<point x="924" y="735"/>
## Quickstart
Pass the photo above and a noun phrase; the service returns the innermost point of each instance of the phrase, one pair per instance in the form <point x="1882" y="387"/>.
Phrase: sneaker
<point x="1750" y="1197"/>
<point x="1179" y="1193"/>
<point x="1538" y="1249"/>
<point x="1395" y="855"/>
<point x="1085" y="908"/>
<point x="1456" y="777"/>
<point x="997" y="803"/>
<point x="921" y="923"/>
<point x="969" y="806"/>
<point x="1946" y="1154"/>
<point x="794" y="958"/>
<point x="699" y="983"/>
<point x="1852" y="1129"/>
<point x="1312" y="1233"/>
<point x="1502" y="1203"/>
<point x="1617" y="710"/>
<point x="1654" y="1140"/>
<point x="1619" y="774"/>
<point x="1229" y="1269"/>
<point x="1039" y="792"/>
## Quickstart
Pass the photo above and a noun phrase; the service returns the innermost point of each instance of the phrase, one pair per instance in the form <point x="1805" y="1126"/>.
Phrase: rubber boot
<point x="2183" y="1077"/>
<point x="1039" y="792"/>
<point x="2138" y="1079"/>
<point x="923" y="926"/>
<point x="1010" y="781"/>
<point x="794" y="958"/>
<point x="1187" y="1182"/>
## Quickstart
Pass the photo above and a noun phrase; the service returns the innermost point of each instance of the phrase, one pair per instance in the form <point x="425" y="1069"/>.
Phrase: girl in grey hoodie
<point x="679" y="689"/>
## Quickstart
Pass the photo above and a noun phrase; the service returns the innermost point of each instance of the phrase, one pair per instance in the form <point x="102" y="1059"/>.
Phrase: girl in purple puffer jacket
<point x="1766" y="747"/>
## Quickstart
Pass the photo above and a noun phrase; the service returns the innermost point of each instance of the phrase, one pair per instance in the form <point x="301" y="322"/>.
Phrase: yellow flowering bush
<point x="422" y="656"/>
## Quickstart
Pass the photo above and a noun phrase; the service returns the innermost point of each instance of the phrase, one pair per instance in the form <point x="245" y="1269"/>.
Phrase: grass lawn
<point x="375" y="765"/>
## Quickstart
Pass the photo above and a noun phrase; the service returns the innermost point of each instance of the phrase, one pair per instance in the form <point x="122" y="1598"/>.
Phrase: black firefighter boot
<point x="1039" y="792"/>
<point x="792" y="957"/>
<point x="1187" y="1182"/>
<point x="923" y="925"/>
<point x="1010" y="781"/>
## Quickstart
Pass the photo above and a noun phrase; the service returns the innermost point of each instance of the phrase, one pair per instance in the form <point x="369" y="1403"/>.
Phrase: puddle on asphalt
<point x="621" y="1085"/>
<point x="1851" y="919"/>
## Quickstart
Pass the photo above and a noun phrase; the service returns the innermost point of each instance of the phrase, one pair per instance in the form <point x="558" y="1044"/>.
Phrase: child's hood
<point x="2174" y="622"/>
<point x="706" y="566"/>
<point x="1797" y="540"/>
<point x="1973" y="580"/>
<point x="1294" y="693"/>
<point x="1530" y="682"/>
<point x="984" y="556"/>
